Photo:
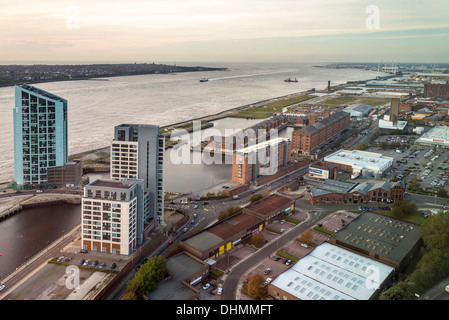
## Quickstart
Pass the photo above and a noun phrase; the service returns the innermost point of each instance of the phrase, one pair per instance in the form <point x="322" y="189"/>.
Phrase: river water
<point x="30" y="231"/>
<point x="95" y="107"/>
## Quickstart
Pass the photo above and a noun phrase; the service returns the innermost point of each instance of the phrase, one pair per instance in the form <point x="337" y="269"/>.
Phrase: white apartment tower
<point x="110" y="214"/>
<point x="137" y="152"/>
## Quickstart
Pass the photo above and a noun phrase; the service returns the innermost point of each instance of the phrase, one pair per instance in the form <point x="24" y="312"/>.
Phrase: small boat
<point x="290" y="80"/>
<point x="204" y="80"/>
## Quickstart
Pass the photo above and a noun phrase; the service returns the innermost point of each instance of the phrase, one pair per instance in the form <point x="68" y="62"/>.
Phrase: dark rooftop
<point x="382" y="235"/>
<point x="269" y="204"/>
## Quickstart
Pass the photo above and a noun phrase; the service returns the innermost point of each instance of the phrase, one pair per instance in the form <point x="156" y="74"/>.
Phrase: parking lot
<point x="429" y="165"/>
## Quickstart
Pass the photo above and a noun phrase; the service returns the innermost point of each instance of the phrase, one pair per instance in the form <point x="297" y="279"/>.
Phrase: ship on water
<point x="290" y="80"/>
<point x="204" y="80"/>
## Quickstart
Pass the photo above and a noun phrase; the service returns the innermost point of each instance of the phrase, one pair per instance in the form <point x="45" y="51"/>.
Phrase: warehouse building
<point x="436" y="137"/>
<point x="331" y="272"/>
<point x="226" y="234"/>
<point x="383" y="238"/>
<point x="360" y="163"/>
<point x="358" y="110"/>
<point x="333" y="191"/>
<point x="185" y="272"/>
<point x="318" y="170"/>
<point x="309" y="139"/>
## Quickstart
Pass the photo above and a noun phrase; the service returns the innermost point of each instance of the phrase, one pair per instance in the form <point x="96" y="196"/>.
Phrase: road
<point x="437" y="292"/>
<point x="234" y="276"/>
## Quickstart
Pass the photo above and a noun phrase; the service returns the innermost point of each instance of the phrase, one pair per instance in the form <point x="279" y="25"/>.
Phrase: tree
<point x="435" y="231"/>
<point x="146" y="278"/>
<point x="400" y="209"/>
<point x="442" y="193"/>
<point x="255" y="197"/>
<point x="257" y="240"/>
<point x="228" y="212"/>
<point x="255" y="286"/>
<point x="306" y="236"/>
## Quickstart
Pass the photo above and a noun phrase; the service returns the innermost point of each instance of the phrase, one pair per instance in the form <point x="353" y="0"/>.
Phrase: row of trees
<point x="434" y="263"/>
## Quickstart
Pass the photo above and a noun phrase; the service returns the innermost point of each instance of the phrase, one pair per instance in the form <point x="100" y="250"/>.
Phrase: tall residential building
<point x="137" y="152"/>
<point x="40" y="134"/>
<point x="110" y="215"/>
<point x="261" y="159"/>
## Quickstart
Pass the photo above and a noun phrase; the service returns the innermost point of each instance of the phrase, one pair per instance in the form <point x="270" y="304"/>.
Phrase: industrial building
<point x="360" y="163"/>
<point x="318" y="170"/>
<point x="331" y="272"/>
<point x="225" y="235"/>
<point x="436" y="90"/>
<point x="333" y="191"/>
<point x="185" y="272"/>
<point x="358" y="110"/>
<point x="436" y="137"/>
<point x="383" y="238"/>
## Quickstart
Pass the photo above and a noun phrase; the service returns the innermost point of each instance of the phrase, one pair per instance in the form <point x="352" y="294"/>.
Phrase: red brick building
<point x="332" y="191"/>
<point x="436" y="90"/>
<point x="307" y="139"/>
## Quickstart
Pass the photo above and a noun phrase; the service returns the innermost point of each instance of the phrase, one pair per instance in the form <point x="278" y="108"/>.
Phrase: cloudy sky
<point x="224" y="30"/>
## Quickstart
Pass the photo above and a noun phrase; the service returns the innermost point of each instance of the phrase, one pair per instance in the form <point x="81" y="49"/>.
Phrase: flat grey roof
<point x="182" y="266"/>
<point x="109" y="184"/>
<point x="383" y="235"/>
<point x="171" y="289"/>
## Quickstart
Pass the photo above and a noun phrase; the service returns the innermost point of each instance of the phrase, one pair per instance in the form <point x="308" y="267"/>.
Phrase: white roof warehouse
<point x="360" y="162"/>
<point x="438" y="136"/>
<point x="330" y="272"/>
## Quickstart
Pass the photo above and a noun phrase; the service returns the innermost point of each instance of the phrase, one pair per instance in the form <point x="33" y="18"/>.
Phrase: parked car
<point x="288" y="262"/>
<point x="113" y="266"/>
<point x="102" y="265"/>
<point x="82" y="262"/>
<point x="447" y="288"/>
<point x="267" y="271"/>
<point x="86" y="263"/>
<point x="206" y="286"/>
<point x="95" y="263"/>
<point x="2" y="287"/>
<point x="220" y="290"/>
<point x="276" y="258"/>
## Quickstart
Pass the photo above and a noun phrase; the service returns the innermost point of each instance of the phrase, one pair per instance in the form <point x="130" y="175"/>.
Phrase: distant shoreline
<point x="104" y="71"/>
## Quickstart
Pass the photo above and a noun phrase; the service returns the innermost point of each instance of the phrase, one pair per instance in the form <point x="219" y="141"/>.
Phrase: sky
<point x="224" y="31"/>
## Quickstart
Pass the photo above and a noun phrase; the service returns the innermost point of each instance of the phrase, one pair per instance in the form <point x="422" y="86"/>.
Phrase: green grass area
<point x="267" y="110"/>
<point x="415" y="218"/>
<point x="375" y="102"/>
